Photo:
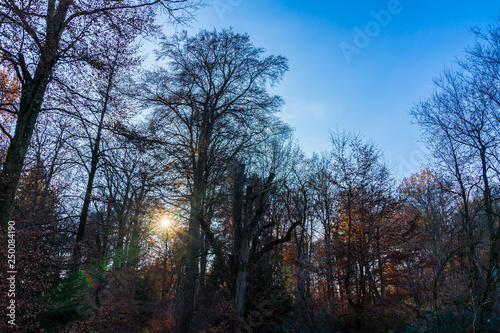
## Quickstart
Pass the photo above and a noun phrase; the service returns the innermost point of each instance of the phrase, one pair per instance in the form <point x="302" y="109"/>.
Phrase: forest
<point x="173" y="198"/>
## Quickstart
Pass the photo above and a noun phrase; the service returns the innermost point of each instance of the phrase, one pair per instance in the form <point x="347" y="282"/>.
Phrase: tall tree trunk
<point x="241" y="244"/>
<point x="121" y="216"/>
<point x="86" y="204"/>
<point x="245" y="224"/>
<point x="134" y="247"/>
<point x="192" y="267"/>
<point x="205" y="246"/>
<point x="29" y="109"/>
<point x="32" y="94"/>
<point x="196" y="218"/>
<point x="347" y="280"/>
<point x="329" y="262"/>
<point x="492" y="276"/>
<point x="193" y="245"/>
<point x="94" y="164"/>
<point x="241" y="284"/>
<point x="239" y="183"/>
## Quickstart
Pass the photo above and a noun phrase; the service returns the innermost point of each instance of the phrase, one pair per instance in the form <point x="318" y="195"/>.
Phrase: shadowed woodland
<point x="167" y="195"/>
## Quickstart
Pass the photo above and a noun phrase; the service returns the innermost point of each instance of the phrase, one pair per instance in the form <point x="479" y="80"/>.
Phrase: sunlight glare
<point x="165" y="222"/>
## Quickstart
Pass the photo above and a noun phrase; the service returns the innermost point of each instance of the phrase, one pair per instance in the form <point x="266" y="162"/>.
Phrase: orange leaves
<point x="9" y="86"/>
<point x="419" y="182"/>
<point x="9" y="94"/>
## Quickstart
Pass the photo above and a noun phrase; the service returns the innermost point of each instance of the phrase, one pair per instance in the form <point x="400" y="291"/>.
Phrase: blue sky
<point x="371" y="90"/>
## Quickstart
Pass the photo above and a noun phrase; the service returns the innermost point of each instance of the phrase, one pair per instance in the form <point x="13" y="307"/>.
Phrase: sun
<point x="165" y="222"/>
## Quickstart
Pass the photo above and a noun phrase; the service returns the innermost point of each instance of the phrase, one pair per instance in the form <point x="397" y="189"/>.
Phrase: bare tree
<point x="212" y="105"/>
<point x="42" y="41"/>
<point x="459" y="121"/>
<point x="325" y="211"/>
<point x="430" y="199"/>
<point x="99" y="107"/>
<point x="367" y="204"/>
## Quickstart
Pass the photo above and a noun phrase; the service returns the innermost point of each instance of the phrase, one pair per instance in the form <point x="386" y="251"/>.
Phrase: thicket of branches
<point x="175" y="199"/>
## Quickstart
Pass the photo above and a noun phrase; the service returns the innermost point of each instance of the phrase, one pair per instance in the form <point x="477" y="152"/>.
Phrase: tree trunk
<point x="205" y="247"/>
<point x="191" y="270"/>
<point x="193" y="246"/>
<point x="30" y="105"/>
<point x="492" y="278"/>
<point x="32" y="93"/>
<point x="94" y="163"/>
<point x="238" y="248"/>
<point x="329" y="262"/>
<point x="119" y="256"/>
<point x="241" y="284"/>
<point x="245" y="224"/>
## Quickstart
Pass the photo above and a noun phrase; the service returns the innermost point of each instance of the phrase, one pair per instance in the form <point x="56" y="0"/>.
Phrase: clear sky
<point x="364" y="82"/>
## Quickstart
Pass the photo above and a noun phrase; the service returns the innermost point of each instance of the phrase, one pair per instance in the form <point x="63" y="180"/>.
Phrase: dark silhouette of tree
<point x="458" y="120"/>
<point x="212" y="104"/>
<point x="43" y="41"/>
